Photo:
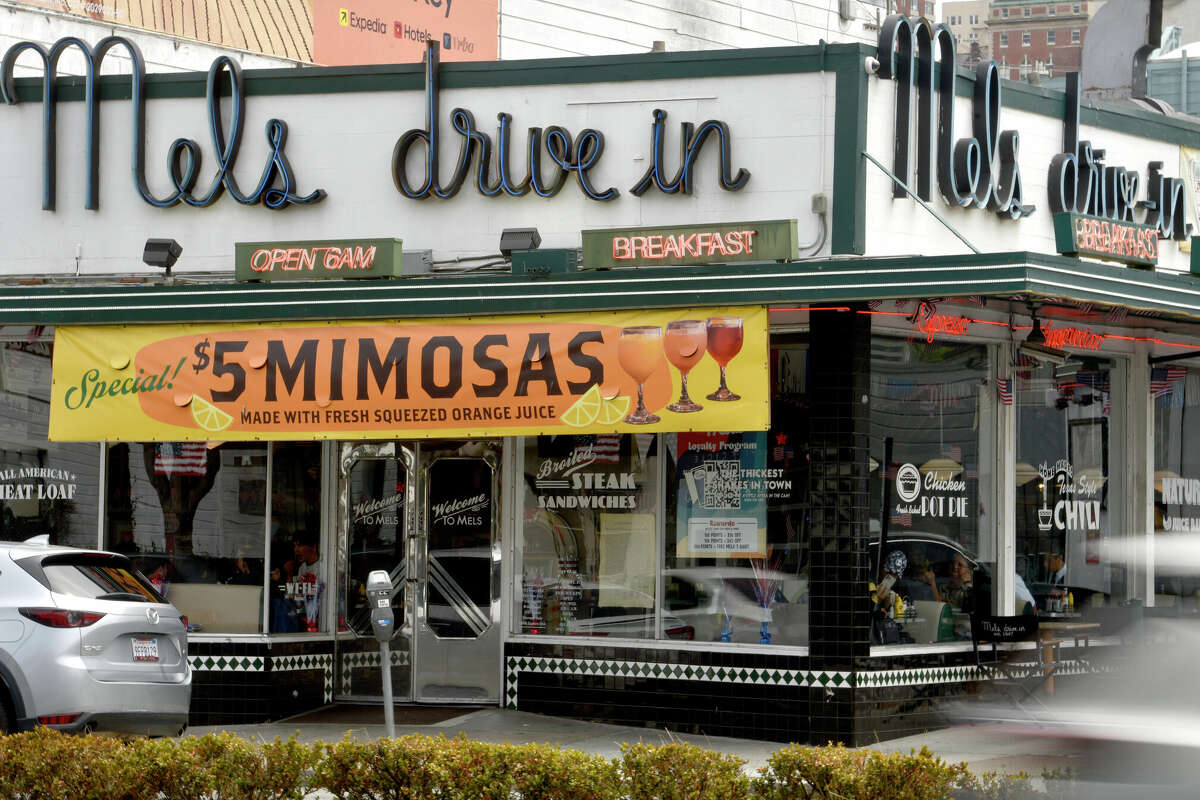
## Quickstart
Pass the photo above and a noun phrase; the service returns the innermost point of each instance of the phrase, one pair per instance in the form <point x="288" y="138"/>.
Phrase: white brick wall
<point x="547" y="28"/>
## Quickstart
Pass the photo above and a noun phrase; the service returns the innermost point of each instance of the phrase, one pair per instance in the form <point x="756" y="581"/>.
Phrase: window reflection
<point x="192" y="519"/>
<point x="735" y="560"/>
<point x="298" y="591"/>
<point x="46" y="488"/>
<point x="1176" y="395"/>
<point x="1062" y="484"/>
<point x="940" y="545"/>
<point x="590" y="523"/>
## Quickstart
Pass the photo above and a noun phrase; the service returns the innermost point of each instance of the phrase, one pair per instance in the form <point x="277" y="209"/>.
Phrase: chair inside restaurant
<point x="1017" y="674"/>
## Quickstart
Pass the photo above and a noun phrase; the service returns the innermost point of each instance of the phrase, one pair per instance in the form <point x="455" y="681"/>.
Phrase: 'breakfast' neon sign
<point x="669" y="245"/>
<point x="659" y="247"/>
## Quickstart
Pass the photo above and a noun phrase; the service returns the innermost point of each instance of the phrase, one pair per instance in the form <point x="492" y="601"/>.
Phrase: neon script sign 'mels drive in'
<point x="277" y="187"/>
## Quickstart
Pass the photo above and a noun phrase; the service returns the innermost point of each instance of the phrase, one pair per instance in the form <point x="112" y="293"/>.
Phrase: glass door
<point x="457" y="630"/>
<point x="428" y="514"/>
<point x="375" y="510"/>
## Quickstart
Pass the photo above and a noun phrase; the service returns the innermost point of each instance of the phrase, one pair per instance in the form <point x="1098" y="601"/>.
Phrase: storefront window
<point x="1176" y="393"/>
<point x="587" y="565"/>
<point x="298" y="575"/>
<point x="379" y="490"/>
<point x="735" y="566"/>
<point x="193" y="518"/>
<point x="46" y="488"/>
<point x="1063" y="514"/>
<point x="939" y="553"/>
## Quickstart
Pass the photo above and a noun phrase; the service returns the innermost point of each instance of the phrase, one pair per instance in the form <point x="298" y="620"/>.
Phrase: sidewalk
<point x="985" y="748"/>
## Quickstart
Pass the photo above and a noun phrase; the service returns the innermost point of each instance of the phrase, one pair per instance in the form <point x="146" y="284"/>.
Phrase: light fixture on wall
<point x="518" y="239"/>
<point x="161" y="253"/>
<point x="1035" y="346"/>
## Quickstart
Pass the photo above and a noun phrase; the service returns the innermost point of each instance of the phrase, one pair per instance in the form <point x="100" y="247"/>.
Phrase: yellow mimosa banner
<point x="693" y="369"/>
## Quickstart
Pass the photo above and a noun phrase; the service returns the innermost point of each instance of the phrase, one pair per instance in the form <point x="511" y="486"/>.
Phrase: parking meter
<point x="379" y="598"/>
<point x="383" y="623"/>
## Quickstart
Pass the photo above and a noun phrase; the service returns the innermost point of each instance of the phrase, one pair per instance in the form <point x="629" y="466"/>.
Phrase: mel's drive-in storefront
<point x="636" y="373"/>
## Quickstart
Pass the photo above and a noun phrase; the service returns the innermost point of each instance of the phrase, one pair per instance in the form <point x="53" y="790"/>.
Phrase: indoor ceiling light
<point x="1093" y="476"/>
<point x="1025" y="472"/>
<point x="1160" y="475"/>
<point x="943" y="469"/>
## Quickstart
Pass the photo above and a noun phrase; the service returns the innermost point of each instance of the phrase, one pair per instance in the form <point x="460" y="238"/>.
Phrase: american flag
<point x="904" y="520"/>
<point x="608" y="448"/>
<point x="180" y="458"/>
<point x="1163" y="380"/>
<point x="1004" y="388"/>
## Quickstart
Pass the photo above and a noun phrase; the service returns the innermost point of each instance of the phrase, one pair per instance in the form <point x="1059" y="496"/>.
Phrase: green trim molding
<point x="849" y="207"/>
<point x="481" y="295"/>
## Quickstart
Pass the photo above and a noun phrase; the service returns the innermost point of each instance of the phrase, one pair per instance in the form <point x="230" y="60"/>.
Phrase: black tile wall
<point x="839" y="612"/>
<point x="755" y="711"/>
<point x="260" y="693"/>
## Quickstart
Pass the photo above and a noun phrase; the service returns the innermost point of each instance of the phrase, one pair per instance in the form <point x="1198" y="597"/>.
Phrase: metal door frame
<point x="418" y="457"/>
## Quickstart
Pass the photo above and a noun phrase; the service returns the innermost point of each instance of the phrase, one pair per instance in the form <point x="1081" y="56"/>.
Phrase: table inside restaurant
<point x="1060" y="624"/>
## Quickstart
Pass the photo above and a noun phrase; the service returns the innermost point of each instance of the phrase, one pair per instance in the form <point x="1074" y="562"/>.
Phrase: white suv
<point x="86" y="644"/>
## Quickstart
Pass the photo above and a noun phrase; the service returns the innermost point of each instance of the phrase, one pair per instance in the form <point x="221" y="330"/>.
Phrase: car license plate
<point x="145" y="649"/>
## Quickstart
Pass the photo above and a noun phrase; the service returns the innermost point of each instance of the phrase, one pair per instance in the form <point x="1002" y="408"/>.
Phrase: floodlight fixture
<point x="161" y="253"/>
<point x="518" y="239"/>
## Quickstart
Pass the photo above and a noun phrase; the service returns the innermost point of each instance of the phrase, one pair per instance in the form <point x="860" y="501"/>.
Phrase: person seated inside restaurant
<point x="956" y="589"/>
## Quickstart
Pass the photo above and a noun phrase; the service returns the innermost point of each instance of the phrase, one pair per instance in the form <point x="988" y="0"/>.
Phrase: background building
<point x="1038" y="38"/>
<point x="967" y="20"/>
<point x="187" y="34"/>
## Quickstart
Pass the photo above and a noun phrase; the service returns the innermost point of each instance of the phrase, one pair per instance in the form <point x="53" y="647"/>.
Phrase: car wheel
<point x="6" y="719"/>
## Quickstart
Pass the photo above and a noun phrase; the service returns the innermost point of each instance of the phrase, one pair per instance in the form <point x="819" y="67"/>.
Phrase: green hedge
<point x="46" y="765"/>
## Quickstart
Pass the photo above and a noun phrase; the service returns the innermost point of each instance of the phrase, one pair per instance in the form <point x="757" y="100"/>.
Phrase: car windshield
<point x="97" y="578"/>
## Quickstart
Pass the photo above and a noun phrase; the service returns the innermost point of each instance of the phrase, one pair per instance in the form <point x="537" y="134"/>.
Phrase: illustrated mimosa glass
<point x="639" y="351"/>
<point x="724" y="342"/>
<point x="685" y="343"/>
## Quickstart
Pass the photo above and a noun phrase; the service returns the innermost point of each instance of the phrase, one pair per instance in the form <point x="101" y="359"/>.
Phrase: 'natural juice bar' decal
<point x="673" y="370"/>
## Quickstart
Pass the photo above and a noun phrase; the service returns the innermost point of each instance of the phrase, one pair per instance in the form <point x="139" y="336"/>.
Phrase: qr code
<point x="722" y="488"/>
